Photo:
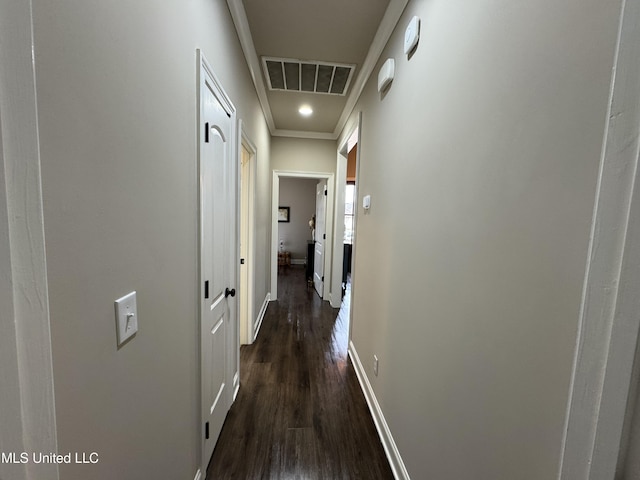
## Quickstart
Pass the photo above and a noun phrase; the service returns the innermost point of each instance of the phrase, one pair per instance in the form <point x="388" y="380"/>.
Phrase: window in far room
<point x="349" y="212"/>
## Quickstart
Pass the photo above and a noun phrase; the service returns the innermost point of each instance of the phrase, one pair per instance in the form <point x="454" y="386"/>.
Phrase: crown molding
<point x="304" y="134"/>
<point x="388" y="23"/>
<point x="239" y="17"/>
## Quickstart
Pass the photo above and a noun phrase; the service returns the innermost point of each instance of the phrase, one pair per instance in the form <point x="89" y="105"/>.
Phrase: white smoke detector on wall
<point x="385" y="76"/>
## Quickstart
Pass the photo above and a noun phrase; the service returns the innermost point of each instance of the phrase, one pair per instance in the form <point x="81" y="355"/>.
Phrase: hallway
<point x="498" y="239"/>
<point x="300" y="412"/>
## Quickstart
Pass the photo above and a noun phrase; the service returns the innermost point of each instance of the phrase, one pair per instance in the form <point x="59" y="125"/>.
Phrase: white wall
<point x="306" y="156"/>
<point x="303" y="155"/>
<point x="481" y="161"/>
<point x="299" y="194"/>
<point x="117" y="116"/>
<point x="629" y="460"/>
<point x="11" y="434"/>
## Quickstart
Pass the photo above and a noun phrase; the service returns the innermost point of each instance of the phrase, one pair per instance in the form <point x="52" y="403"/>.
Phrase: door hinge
<point x="323" y="278"/>
<point x="242" y="261"/>
<point x="206" y="132"/>
<point x="206" y="289"/>
<point x="206" y="431"/>
<point x="325" y="192"/>
<point x="324" y="236"/>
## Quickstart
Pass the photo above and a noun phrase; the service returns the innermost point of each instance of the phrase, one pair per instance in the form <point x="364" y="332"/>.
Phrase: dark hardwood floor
<point x="300" y="413"/>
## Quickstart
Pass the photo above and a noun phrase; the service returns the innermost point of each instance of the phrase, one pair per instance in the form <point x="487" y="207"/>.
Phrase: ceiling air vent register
<point x="292" y="75"/>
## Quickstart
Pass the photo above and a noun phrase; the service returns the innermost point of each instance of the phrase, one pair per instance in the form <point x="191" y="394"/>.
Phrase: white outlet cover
<point x="366" y="202"/>
<point x="126" y="317"/>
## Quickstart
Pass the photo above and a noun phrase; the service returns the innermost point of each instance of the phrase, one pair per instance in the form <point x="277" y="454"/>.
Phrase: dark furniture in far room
<point x="346" y="262"/>
<point x="311" y="247"/>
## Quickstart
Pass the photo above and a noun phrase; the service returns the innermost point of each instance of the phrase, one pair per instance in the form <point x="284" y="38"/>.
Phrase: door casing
<point x="246" y="293"/>
<point x="205" y="73"/>
<point x="353" y="137"/>
<point x="609" y="324"/>
<point x="328" y="273"/>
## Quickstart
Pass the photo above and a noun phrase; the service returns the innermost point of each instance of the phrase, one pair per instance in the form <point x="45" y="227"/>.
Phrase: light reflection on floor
<point x="340" y="334"/>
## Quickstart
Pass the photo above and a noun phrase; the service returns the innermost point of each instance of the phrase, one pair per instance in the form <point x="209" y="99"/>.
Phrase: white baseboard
<point x="198" y="475"/>
<point x="390" y="447"/>
<point x="298" y="261"/>
<point x="236" y="385"/>
<point x="258" y="323"/>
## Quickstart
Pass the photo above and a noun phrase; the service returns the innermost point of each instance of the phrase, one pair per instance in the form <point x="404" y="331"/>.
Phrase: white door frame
<point x="275" y="195"/>
<point x="248" y="297"/>
<point x="27" y="391"/>
<point x="354" y="135"/>
<point x="609" y="320"/>
<point x="233" y="343"/>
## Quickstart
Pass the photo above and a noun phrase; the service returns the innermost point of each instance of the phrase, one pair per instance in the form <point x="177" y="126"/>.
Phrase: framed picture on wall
<point x="283" y="214"/>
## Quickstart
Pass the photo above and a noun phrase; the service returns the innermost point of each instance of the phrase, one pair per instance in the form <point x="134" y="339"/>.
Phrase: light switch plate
<point x="126" y="317"/>
<point x="366" y="202"/>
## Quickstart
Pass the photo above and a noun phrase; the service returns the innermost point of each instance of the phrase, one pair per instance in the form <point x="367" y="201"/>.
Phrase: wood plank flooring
<point x="300" y="413"/>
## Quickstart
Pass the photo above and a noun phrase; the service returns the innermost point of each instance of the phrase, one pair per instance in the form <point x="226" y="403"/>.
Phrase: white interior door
<point x="318" y="262"/>
<point x="216" y="249"/>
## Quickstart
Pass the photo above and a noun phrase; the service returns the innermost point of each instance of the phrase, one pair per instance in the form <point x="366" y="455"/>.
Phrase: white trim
<point x="609" y="324"/>
<point x="236" y="385"/>
<point x="245" y="141"/>
<point x="239" y="17"/>
<point x="298" y="261"/>
<point x="341" y="182"/>
<point x="388" y="443"/>
<point x="275" y="193"/>
<point x="338" y="243"/>
<point x="221" y="94"/>
<point x="207" y="79"/>
<point x="387" y="25"/>
<point x="385" y="29"/>
<point x="303" y="134"/>
<point x="198" y="475"/>
<point x="23" y="256"/>
<point x="263" y="311"/>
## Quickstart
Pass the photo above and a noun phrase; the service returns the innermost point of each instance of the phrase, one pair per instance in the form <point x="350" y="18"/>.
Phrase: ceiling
<point x="349" y="32"/>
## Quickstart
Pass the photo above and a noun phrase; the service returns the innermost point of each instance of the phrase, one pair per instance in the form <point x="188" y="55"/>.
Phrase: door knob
<point x="228" y="292"/>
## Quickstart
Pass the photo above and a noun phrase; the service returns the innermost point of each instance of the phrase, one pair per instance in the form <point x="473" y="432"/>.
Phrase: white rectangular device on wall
<point x="385" y="76"/>
<point x="126" y="317"/>
<point x="411" y="35"/>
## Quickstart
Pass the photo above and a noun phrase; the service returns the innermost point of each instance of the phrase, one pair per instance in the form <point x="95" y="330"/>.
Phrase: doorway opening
<point x="294" y="207"/>
<point x="350" y="204"/>
<point x="348" y="167"/>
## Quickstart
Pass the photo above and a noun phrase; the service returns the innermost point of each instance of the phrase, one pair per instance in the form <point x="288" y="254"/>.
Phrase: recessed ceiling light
<point x="305" y="110"/>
